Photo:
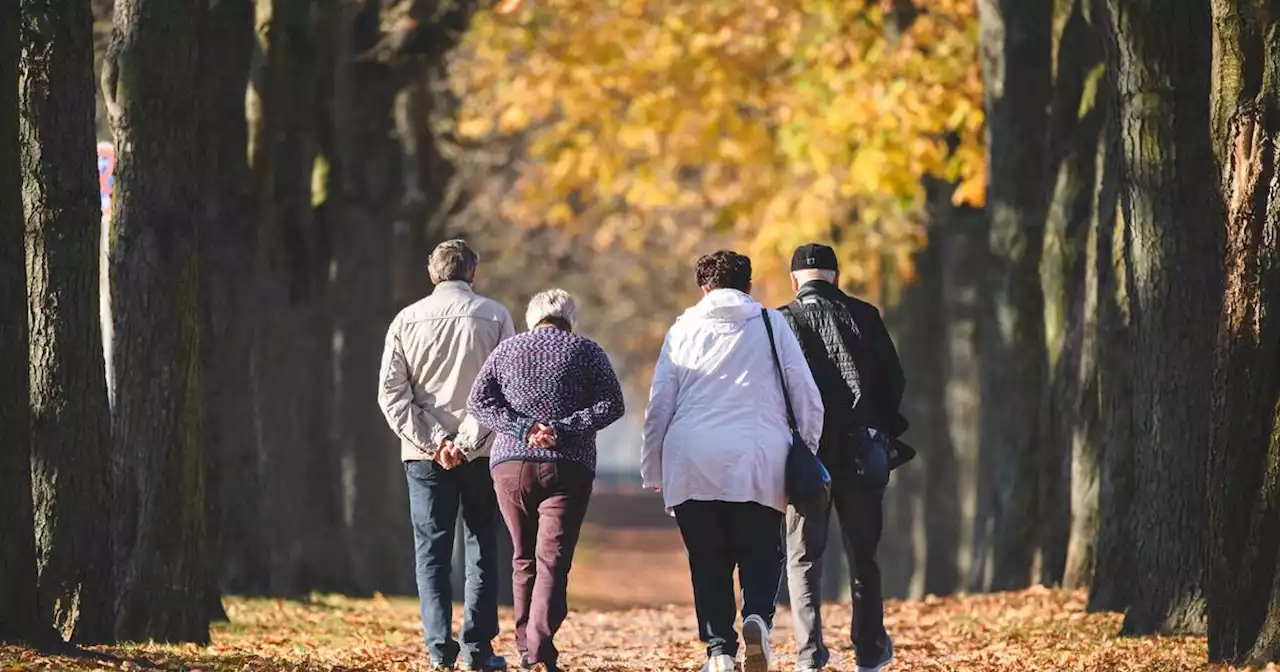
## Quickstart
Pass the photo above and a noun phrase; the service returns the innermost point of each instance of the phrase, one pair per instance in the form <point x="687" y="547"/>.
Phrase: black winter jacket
<point x="852" y="358"/>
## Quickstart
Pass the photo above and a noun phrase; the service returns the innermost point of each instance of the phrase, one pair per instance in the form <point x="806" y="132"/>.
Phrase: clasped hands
<point x="542" y="436"/>
<point x="449" y="455"/>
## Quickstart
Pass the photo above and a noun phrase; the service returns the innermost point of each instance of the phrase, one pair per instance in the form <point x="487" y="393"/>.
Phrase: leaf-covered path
<point x="1033" y="630"/>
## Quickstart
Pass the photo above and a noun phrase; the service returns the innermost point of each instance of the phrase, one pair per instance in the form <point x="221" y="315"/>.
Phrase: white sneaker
<point x="756" y="655"/>
<point x="885" y="660"/>
<point x="720" y="664"/>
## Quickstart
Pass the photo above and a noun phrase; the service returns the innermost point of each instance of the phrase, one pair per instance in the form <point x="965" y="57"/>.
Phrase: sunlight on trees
<point x="676" y="119"/>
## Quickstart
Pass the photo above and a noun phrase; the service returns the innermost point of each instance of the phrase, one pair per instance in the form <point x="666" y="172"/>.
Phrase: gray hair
<point x="453" y="260"/>
<point x="553" y="303"/>
<point x="811" y="274"/>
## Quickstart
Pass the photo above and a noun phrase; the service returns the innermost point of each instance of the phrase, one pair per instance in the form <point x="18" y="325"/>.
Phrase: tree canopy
<point x="768" y="125"/>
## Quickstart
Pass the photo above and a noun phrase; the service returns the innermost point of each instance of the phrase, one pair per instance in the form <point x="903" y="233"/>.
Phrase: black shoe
<point x="492" y="664"/>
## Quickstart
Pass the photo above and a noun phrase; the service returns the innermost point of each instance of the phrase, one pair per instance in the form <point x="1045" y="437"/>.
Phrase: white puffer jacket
<point x="716" y="425"/>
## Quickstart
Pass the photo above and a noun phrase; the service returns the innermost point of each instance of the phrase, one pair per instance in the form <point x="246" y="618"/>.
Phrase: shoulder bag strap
<point x="777" y="365"/>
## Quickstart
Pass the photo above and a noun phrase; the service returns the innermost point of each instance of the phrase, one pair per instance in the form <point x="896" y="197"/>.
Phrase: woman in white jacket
<point x="715" y="444"/>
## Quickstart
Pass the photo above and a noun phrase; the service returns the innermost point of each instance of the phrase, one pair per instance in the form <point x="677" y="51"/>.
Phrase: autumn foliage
<point x="768" y="124"/>
<point x="1006" y="632"/>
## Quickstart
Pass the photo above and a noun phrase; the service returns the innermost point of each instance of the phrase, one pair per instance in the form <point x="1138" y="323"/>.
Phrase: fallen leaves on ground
<point x="1038" y="629"/>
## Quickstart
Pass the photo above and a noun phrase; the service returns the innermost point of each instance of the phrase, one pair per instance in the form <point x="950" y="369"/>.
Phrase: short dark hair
<point x="724" y="269"/>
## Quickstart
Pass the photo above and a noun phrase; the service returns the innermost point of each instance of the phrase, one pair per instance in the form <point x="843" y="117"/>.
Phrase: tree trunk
<point x="1073" y="145"/>
<point x="1087" y="445"/>
<point x="1162" y="60"/>
<point x="19" y="613"/>
<point x="287" y="366"/>
<point x="1113" y="554"/>
<point x="952" y="497"/>
<point x="904" y="552"/>
<point x="918" y="323"/>
<point x="1243" y="587"/>
<point x="932" y="326"/>
<point x="70" y="458"/>
<point x="1016" y="68"/>
<point x="227" y="248"/>
<point x="153" y="91"/>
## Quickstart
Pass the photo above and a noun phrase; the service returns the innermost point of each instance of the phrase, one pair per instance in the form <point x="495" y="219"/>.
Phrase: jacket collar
<point x="820" y="288"/>
<point x="456" y="286"/>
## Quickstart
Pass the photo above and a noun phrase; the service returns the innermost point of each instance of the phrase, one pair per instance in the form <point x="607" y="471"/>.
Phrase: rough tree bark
<point x="1243" y="586"/>
<point x="1112" y="251"/>
<point x="1072" y="151"/>
<point x="227" y="248"/>
<point x="1016" y="67"/>
<point x="19" y="613"/>
<point x="1162" y="60"/>
<point x="152" y="86"/>
<point x="1073" y="142"/>
<point x="1087" y="440"/>
<point x="70" y="442"/>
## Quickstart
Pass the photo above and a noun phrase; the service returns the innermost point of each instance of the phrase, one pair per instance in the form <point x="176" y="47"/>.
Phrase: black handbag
<point x="808" y="482"/>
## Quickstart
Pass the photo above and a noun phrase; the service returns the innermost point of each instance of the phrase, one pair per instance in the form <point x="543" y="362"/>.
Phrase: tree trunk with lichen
<point x="70" y="441"/>
<point x="1016" y="67"/>
<point x="19" y="613"/>
<point x="152" y="86"/>
<point x="1162" y="59"/>
<point x="1243" y="587"/>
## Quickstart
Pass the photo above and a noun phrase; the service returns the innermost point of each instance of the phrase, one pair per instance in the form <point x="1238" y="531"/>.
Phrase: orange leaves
<point x="1037" y="629"/>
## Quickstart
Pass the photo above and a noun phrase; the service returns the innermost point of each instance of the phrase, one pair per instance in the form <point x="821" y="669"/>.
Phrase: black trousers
<point x="861" y="514"/>
<point x="722" y="536"/>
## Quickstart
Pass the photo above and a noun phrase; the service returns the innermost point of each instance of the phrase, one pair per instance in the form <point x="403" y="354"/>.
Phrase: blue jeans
<point x="435" y="496"/>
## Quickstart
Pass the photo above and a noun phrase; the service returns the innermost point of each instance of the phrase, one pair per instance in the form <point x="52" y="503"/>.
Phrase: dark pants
<point x="544" y="504"/>
<point x="861" y="520"/>
<point x="435" y="496"/>
<point x="720" y="536"/>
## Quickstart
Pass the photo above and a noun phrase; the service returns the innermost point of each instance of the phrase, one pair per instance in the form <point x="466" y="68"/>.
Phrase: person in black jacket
<point x="856" y="366"/>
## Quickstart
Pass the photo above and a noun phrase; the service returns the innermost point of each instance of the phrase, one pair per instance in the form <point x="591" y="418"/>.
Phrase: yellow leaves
<point x="508" y="6"/>
<point x="772" y="121"/>
<point x="972" y="192"/>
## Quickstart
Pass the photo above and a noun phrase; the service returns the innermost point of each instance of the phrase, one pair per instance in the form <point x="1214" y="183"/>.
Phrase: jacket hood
<point x="728" y="307"/>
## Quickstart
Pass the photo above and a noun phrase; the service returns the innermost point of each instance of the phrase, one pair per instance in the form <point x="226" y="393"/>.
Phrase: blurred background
<point x="598" y="147"/>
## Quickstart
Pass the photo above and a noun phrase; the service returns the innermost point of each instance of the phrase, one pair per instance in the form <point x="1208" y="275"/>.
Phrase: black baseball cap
<point x="814" y="257"/>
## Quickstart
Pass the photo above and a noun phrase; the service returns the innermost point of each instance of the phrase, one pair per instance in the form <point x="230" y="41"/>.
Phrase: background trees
<point x="1063" y="211"/>
<point x="1017" y="77"/>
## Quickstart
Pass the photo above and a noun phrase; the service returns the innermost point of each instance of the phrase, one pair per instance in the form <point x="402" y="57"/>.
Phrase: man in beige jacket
<point x="434" y="351"/>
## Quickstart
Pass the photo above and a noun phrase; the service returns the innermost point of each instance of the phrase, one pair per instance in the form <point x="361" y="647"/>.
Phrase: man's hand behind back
<point x="448" y="455"/>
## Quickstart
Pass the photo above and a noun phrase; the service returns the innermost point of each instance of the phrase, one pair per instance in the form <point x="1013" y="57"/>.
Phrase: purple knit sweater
<point x="548" y="376"/>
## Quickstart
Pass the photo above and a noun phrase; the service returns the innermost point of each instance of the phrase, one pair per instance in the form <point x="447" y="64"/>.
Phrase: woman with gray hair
<point x="546" y="393"/>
